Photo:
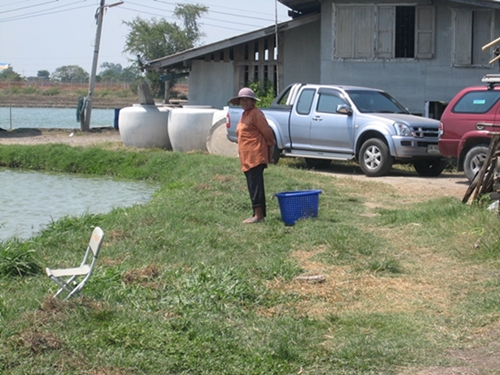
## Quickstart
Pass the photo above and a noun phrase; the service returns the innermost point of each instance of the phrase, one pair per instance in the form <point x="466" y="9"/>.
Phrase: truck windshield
<point x="368" y="101"/>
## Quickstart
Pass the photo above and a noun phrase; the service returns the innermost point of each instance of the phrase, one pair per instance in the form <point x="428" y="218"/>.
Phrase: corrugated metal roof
<point x="176" y="60"/>
<point x="305" y="6"/>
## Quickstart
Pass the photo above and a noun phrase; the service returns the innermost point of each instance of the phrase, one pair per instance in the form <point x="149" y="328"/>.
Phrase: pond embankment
<point x="48" y="94"/>
<point x="63" y="101"/>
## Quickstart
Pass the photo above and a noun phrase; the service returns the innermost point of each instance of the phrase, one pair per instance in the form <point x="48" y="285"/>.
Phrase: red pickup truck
<point x="459" y="134"/>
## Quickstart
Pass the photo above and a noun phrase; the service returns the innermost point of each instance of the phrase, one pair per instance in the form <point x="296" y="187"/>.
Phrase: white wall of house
<point x="301" y="54"/>
<point x="211" y="83"/>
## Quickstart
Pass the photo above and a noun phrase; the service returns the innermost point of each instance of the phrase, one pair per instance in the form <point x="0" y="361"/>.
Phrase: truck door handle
<point x="317" y="118"/>
<point x="482" y="125"/>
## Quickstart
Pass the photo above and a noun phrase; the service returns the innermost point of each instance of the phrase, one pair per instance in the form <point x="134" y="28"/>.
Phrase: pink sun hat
<point x="245" y="92"/>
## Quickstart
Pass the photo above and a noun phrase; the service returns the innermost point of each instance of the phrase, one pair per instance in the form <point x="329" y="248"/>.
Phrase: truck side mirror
<point x="344" y="109"/>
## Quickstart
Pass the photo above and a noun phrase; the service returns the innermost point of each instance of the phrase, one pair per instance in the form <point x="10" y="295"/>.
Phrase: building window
<point x="472" y="30"/>
<point x="384" y="31"/>
<point x="405" y="32"/>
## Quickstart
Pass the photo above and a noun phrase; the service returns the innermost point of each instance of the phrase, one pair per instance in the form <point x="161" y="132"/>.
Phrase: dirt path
<point x="73" y="137"/>
<point x="410" y="184"/>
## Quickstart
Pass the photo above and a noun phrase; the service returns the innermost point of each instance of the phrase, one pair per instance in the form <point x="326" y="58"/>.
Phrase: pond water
<point x="32" y="200"/>
<point x="56" y="118"/>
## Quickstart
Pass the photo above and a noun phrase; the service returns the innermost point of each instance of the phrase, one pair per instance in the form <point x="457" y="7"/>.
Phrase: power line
<point x="210" y="10"/>
<point x="201" y="20"/>
<point x="15" y="3"/>
<point x="31" y="6"/>
<point x="53" y="10"/>
<point x="202" y="23"/>
<point x="225" y="13"/>
<point x="225" y="8"/>
<point x="44" y="12"/>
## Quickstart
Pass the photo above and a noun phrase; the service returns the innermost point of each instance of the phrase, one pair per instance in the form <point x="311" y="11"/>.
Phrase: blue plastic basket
<point x="295" y="205"/>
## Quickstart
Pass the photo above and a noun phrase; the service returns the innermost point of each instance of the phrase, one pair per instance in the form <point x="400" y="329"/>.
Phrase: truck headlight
<point x="402" y="129"/>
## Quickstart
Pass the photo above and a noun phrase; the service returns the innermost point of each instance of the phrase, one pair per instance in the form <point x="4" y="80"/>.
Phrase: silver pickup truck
<point x="322" y="123"/>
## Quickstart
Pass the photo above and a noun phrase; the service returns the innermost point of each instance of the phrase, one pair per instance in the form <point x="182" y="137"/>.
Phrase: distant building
<point x="421" y="52"/>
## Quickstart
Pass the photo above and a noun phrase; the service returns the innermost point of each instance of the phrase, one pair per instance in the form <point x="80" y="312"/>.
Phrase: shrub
<point x="51" y="91"/>
<point x="102" y="93"/>
<point x="12" y="91"/>
<point x="17" y="260"/>
<point x="124" y="93"/>
<point x="29" y="90"/>
<point x="266" y="94"/>
<point x="81" y="92"/>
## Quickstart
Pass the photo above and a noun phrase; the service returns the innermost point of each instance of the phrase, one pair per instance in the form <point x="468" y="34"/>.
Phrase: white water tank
<point x="144" y="126"/>
<point x="188" y="127"/>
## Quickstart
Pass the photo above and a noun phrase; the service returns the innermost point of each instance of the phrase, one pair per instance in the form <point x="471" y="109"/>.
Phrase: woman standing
<point x="255" y="145"/>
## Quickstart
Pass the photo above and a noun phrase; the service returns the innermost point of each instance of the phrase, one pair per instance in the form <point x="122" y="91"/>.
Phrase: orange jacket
<point x="255" y="136"/>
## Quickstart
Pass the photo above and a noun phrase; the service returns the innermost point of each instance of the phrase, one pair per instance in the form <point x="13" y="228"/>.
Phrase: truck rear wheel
<point x="474" y="160"/>
<point x="430" y="168"/>
<point x="374" y="158"/>
<point x="276" y="153"/>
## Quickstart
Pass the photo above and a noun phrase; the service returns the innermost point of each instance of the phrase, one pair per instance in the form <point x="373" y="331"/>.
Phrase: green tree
<point x="130" y="73"/>
<point x="9" y="75"/>
<point x="189" y="14"/>
<point x="70" y="73"/>
<point x="156" y="38"/>
<point x="43" y="74"/>
<point x="265" y="94"/>
<point x="152" y="39"/>
<point x="111" y="72"/>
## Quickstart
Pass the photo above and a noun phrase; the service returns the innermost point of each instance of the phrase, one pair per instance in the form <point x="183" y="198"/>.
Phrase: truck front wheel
<point x="474" y="160"/>
<point x="374" y="158"/>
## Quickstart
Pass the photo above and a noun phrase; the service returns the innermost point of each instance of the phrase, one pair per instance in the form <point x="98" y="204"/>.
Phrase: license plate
<point x="432" y="149"/>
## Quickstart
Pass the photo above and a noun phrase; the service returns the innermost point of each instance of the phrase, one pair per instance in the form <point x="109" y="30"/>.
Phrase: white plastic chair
<point x="67" y="278"/>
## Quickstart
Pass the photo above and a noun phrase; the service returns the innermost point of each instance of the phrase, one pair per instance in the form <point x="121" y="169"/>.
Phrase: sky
<point x="47" y="34"/>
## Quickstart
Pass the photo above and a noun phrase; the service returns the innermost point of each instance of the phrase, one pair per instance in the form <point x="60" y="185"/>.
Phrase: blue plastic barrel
<point x="117" y="114"/>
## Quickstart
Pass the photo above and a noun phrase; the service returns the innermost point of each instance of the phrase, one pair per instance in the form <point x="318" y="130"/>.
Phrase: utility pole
<point x="85" y="124"/>
<point x="88" y="110"/>
<point x="276" y="41"/>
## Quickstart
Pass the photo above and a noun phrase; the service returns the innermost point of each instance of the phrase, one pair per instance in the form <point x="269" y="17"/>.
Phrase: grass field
<point x="183" y="287"/>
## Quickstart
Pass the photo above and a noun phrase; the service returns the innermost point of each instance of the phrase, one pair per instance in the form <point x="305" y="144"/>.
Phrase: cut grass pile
<point x="183" y="287"/>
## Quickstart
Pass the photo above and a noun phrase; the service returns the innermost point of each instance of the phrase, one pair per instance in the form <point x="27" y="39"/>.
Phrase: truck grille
<point x="425" y="132"/>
